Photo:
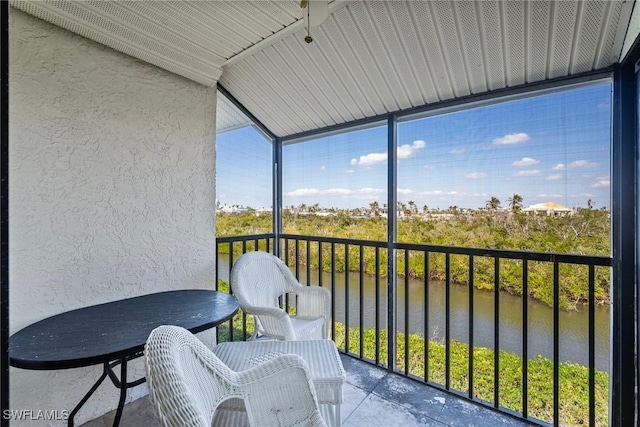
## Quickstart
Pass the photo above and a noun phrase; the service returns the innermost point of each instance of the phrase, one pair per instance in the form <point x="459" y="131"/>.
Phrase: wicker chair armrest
<point x="313" y="301"/>
<point x="274" y="321"/>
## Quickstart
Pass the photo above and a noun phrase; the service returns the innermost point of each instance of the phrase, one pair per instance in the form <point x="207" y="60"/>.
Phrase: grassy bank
<point x="574" y="378"/>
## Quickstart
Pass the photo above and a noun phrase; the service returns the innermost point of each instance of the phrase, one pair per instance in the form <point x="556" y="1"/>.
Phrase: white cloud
<point x="404" y="191"/>
<point x="581" y="164"/>
<point x="554" y="177"/>
<point x="418" y="143"/>
<point x="526" y="161"/>
<point x="371" y="159"/>
<point x="350" y="171"/>
<point x="476" y="175"/>
<point x="322" y="167"/>
<point x="303" y="192"/>
<point x="581" y="196"/>
<point x="429" y="166"/>
<point x="362" y="192"/>
<point x="404" y="152"/>
<point x="512" y="138"/>
<point x="549" y="196"/>
<point x="574" y="165"/>
<point x="368" y="192"/>
<point x="437" y="193"/>
<point x="602" y="183"/>
<point x="534" y="172"/>
<point x="457" y="151"/>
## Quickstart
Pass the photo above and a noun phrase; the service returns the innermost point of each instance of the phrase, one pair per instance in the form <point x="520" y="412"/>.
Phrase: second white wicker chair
<point x="259" y="279"/>
<point x="190" y="387"/>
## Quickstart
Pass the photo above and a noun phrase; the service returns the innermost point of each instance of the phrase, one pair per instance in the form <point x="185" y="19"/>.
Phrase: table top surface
<point x="114" y="330"/>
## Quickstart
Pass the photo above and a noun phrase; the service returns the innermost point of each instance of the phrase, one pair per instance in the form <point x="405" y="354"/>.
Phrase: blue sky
<point x="550" y="148"/>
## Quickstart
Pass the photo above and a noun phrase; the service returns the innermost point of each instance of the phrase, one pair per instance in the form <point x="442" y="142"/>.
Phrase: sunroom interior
<point x="114" y="108"/>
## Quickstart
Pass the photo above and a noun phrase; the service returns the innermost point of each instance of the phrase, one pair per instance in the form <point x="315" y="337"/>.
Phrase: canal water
<point x="573" y="325"/>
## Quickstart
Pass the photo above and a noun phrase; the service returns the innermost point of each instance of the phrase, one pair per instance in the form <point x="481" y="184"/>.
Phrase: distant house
<point x="550" y="208"/>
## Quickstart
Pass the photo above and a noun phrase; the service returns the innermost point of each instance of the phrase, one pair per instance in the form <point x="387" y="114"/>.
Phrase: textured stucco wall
<point x="111" y="191"/>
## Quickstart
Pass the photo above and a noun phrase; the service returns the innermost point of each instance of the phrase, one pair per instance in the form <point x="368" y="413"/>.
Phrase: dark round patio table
<point x="114" y="333"/>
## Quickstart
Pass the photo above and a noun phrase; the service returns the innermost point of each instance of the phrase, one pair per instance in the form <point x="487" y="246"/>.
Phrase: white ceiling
<point x="367" y="59"/>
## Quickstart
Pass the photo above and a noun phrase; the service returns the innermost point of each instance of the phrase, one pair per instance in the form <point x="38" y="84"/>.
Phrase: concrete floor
<point x="372" y="398"/>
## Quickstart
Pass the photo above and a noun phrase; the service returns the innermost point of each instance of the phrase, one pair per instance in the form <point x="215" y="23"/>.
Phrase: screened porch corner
<point x="148" y="144"/>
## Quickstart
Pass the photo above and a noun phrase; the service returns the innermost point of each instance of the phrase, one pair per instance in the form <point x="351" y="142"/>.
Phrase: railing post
<point x="392" y="135"/>
<point x="624" y="227"/>
<point x="277" y="195"/>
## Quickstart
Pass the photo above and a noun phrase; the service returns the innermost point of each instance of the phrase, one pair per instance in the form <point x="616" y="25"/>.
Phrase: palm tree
<point x="412" y="207"/>
<point x="515" y="202"/>
<point x="401" y="208"/>
<point x="375" y="208"/>
<point x="493" y="204"/>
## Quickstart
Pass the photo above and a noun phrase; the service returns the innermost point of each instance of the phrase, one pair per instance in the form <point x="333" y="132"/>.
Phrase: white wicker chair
<point x="190" y="387"/>
<point x="259" y="279"/>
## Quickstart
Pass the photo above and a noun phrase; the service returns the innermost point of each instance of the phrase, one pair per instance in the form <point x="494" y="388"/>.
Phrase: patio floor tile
<point x="372" y="398"/>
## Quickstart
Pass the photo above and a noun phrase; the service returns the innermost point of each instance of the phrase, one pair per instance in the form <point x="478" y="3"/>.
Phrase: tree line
<point x="585" y="232"/>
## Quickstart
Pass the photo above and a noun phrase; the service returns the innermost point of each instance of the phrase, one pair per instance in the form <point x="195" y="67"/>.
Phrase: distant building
<point x="231" y="208"/>
<point x="549" y="208"/>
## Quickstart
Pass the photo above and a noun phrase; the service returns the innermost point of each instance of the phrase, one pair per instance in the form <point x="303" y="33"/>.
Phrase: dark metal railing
<point x="343" y="263"/>
<point x="556" y="260"/>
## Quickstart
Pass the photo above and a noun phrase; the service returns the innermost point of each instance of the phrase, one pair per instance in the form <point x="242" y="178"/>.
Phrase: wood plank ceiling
<point x="368" y="58"/>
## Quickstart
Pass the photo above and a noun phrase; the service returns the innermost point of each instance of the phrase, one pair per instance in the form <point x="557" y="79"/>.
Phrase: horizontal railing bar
<point x="595" y="260"/>
<point x="339" y="240"/>
<point x="501" y="253"/>
<point x="230" y="239"/>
